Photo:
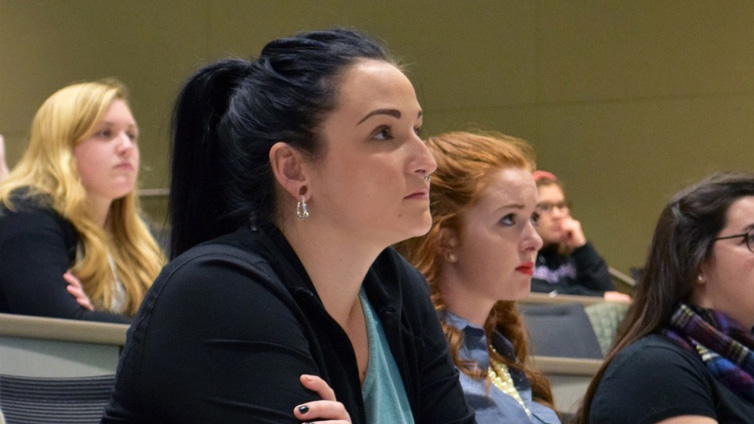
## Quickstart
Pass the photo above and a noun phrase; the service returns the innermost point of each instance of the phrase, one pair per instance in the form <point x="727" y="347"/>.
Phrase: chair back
<point x="38" y="400"/>
<point x="561" y="330"/>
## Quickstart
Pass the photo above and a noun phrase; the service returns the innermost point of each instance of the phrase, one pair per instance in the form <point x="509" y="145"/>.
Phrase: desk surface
<point x="566" y="366"/>
<point x="565" y="298"/>
<point x="24" y="326"/>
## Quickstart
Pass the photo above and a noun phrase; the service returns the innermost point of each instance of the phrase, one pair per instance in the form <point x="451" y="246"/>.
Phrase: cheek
<point x="489" y="257"/>
<point x="86" y="164"/>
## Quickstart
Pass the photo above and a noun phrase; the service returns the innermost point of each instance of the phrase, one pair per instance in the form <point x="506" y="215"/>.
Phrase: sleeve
<point x="592" y="272"/>
<point x="442" y="397"/>
<point x="213" y="344"/>
<point x="650" y="385"/>
<point x="34" y="255"/>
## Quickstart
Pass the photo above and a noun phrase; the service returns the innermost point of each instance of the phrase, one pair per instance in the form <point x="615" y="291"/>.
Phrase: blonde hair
<point x="465" y="163"/>
<point x="48" y="171"/>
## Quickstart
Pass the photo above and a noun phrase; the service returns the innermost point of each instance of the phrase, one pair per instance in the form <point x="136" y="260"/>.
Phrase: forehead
<point x="551" y="192"/>
<point x="374" y="84"/>
<point x="118" y="110"/>
<point x="740" y="214"/>
<point x="509" y="186"/>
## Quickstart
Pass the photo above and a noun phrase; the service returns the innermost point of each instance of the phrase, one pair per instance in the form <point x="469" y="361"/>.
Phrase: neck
<point x="465" y="304"/>
<point x="100" y="210"/>
<point x="335" y="263"/>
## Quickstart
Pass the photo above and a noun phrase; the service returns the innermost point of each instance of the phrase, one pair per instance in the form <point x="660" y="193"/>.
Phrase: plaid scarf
<point x="724" y="346"/>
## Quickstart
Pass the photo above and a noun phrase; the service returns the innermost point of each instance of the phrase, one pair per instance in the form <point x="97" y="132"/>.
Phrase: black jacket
<point x="230" y="325"/>
<point x="37" y="246"/>
<point x="583" y="272"/>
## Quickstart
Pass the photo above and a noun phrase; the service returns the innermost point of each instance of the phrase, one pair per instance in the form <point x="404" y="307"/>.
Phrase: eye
<point x="418" y="131"/>
<point x="382" y="133"/>
<point x="535" y="218"/>
<point x="508" y="220"/>
<point x="106" y="133"/>
<point x="132" y="135"/>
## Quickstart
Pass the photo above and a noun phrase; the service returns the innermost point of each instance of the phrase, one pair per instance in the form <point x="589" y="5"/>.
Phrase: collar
<point x="381" y="284"/>
<point x="474" y="336"/>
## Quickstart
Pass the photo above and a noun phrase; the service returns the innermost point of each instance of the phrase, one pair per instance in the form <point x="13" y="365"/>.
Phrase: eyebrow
<point x="517" y="206"/>
<point x="114" y="124"/>
<point x="395" y="113"/>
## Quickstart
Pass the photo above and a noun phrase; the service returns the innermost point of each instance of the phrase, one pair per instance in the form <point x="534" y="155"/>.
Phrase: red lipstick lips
<point x="526" y="268"/>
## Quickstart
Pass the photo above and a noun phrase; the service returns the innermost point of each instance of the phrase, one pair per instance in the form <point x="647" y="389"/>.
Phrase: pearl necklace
<point x="501" y="378"/>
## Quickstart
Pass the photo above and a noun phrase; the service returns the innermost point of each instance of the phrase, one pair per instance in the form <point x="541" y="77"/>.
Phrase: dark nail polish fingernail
<point x="303" y="409"/>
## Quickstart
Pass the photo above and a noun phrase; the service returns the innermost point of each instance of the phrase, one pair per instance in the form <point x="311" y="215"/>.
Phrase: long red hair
<point x="465" y="161"/>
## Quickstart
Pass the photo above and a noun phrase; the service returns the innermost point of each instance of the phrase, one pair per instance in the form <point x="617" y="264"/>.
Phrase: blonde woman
<point x="478" y="259"/>
<point x="72" y="242"/>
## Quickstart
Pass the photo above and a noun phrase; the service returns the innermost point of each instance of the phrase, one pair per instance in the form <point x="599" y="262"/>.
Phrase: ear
<point x="447" y="243"/>
<point x="701" y="278"/>
<point x="287" y="166"/>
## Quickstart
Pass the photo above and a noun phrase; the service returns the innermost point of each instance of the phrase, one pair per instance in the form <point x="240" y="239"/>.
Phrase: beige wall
<point x="627" y="101"/>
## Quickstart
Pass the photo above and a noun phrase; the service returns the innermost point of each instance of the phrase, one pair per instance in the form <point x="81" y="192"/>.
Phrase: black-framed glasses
<point x="748" y="238"/>
<point x="547" y="207"/>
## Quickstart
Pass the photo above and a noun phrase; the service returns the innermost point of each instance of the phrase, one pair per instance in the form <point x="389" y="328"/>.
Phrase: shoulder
<point x="654" y="360"/>
<point x="220" y="263"/>
<point x="217" y="284"/>
<point x="32" y="214"/>
<point x="655" y="351"/>
<point x="650" y="380"/>
<point x="21" y="201"/>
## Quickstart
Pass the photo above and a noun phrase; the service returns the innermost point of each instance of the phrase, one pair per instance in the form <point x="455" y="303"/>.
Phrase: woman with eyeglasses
<point x="567" y="263"/>
<point x="685" y="353"/>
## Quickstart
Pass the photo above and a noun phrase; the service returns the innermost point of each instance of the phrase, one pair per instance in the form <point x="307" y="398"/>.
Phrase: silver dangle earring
<point x="301" y="211"/>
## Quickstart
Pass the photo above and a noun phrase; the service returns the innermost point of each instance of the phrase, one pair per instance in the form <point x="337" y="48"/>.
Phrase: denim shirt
<point x="491" y="404"/>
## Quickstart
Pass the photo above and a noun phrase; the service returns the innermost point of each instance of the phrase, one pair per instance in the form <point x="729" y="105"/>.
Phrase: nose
<point x="125" y="144"/>
<point x="557" y="212"/>
<point x="531" y="240"/>
<point x="423" y="161"/>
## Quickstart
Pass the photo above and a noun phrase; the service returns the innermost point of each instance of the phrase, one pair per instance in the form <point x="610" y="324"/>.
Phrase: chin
<point x="521" y="290"/>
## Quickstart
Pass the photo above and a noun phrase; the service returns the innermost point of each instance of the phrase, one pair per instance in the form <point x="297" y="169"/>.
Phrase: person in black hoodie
<point x="293" y="173"/>
<point x="567" y="263"/>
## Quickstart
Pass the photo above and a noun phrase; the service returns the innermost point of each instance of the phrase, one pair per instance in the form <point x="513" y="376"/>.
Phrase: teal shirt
<point x="385" y="398"/>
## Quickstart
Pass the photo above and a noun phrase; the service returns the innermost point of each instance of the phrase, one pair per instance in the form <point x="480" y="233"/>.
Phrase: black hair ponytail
<point x="232" y="112"/>
<point x="197" y="204"/>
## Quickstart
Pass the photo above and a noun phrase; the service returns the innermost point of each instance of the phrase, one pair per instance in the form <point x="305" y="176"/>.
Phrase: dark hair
<point x="682" y="242"/>
<point x="230" y="113"/>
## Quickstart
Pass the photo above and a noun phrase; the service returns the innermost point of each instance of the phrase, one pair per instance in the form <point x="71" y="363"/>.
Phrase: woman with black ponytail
<point x="292" y="176"/>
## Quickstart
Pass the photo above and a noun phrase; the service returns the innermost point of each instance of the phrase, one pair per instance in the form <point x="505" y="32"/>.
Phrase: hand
<point x="325" y="411"/>
<point x="615" y="296"/>
<point x="573" y="235"/>
<point x="3" y="165"/>
<point x="76" y="289"/>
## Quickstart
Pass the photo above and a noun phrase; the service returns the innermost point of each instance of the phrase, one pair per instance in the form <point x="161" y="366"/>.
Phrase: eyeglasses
<point x="547" y="207"/>
<point x="748" y="238"/>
